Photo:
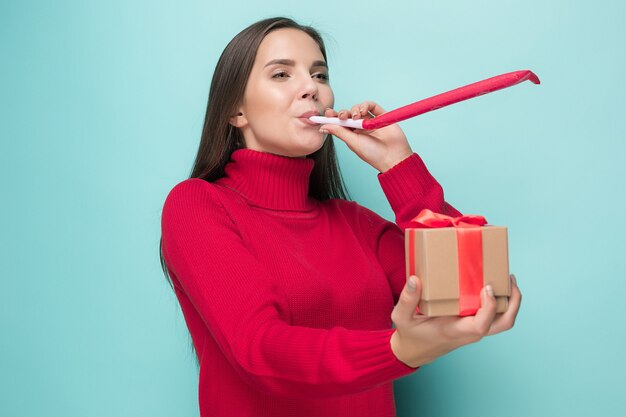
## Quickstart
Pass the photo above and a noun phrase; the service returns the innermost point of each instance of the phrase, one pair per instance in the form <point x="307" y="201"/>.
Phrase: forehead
<point x="289" y="44"/>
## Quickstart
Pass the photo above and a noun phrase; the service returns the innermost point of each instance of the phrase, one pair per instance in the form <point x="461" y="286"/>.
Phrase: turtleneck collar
<point x="270" y="181"/>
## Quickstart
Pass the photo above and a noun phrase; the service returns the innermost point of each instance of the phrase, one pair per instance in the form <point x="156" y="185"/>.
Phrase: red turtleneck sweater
<point x="288" y="299"/>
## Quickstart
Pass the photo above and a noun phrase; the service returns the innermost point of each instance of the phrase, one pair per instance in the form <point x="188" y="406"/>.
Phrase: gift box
<point x="455" y="258"/>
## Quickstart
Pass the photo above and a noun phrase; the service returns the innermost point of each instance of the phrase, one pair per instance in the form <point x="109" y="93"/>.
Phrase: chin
<point x="301" y="145"/>
<point x="296" y="145"/>
<point x="312" y="146"/>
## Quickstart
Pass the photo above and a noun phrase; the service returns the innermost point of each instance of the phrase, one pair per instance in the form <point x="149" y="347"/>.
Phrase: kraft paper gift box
<point x="455" y="258"/>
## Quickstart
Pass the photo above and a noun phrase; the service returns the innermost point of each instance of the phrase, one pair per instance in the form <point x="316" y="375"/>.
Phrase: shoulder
<point x="194" y="210"/>
<point x="342" y="207"/>
<point x="355" y="212"/>
<point x="190" y="187"/>
<point x="192" y="196"/>
<point x="192" y="190"/>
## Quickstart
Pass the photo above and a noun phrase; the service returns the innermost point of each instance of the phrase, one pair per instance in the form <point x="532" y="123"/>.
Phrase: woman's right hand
<point x="419" y="339"/>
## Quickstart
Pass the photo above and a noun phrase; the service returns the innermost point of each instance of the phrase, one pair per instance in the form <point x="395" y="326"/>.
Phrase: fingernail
<point x="411" y="284"/>
<point x="489" y="289"/>
<point x="355" y="115"/>
<point x="513" y="279"/>
<point x="324" y="131"/>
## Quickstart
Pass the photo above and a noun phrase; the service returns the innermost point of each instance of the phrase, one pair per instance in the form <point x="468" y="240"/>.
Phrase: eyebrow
<point x="292" y="63"/>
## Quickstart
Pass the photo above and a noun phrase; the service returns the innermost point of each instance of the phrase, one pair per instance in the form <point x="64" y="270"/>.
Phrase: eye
<point x="321" y="76"/>
<point x="280" y="74"/>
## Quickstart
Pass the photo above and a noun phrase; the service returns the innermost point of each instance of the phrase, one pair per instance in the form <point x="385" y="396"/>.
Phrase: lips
<point x="309" y="114"/>
<point x="304" y="117"/>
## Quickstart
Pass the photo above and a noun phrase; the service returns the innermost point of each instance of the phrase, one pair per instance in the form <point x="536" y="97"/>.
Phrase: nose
<point x="309" y="89"/>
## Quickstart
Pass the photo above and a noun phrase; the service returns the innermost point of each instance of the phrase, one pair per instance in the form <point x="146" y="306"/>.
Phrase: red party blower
<point x="435" y="102"/>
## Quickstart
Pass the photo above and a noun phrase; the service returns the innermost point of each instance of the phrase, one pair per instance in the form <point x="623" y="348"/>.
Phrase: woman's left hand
<point x="382" y="148"/>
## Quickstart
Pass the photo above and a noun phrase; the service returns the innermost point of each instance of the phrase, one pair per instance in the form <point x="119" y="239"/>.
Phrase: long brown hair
<point x="219" y="138"/>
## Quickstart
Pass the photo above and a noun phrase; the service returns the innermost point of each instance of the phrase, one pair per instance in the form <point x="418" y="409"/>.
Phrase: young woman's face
<point x="287" y="84"/>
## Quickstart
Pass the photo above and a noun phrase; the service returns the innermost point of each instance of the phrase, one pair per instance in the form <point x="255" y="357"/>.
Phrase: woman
<point x="287" y="288"/>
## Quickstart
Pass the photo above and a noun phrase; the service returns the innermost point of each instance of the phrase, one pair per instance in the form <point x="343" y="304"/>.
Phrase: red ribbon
<point x="470" y="254"/>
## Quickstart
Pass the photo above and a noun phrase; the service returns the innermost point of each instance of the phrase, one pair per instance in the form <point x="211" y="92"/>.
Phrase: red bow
<point x="430" y="219"/>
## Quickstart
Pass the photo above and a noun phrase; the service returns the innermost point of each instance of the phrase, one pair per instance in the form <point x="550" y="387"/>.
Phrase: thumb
<point x="407" y="305"/>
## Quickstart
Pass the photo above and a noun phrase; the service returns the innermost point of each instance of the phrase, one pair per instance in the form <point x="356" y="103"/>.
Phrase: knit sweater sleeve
<point x="236" y="298"/>
<point x="409" y="188"/>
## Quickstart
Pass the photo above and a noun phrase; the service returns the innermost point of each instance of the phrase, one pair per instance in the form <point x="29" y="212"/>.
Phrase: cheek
<point x="255" y="103"/>
<point x="326" y="97"/>
<point x="268" y="100"/>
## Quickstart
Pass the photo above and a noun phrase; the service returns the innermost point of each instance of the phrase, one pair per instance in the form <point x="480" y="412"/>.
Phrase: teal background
<point x="101" y="110"/>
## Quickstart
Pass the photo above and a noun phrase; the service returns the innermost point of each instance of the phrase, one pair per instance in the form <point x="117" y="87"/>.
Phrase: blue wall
<point x="101" y="111"/>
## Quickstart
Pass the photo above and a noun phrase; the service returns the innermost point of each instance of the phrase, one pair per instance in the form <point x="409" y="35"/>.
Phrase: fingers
<point x="349" y="136"/>
<point x="330" y="112"/>
<point x="506" y="320"/>
<point x="367" y="109"/>
<point x="404" y="310"/>
<point x="515" y="300"/>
